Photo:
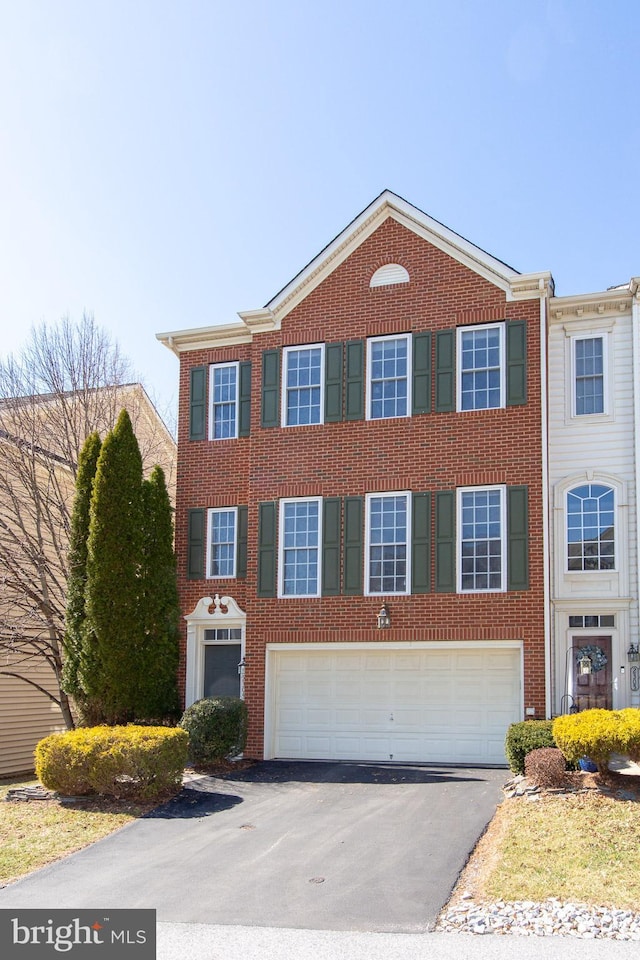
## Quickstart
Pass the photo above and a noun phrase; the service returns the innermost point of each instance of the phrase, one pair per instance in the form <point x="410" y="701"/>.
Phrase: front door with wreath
<point x="592" y="672"/>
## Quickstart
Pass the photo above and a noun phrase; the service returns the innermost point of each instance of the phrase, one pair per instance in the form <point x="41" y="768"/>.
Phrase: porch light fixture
<point x="584" y="665"/>
<point x="384" y="620"/>
<point x="633" y="653"/>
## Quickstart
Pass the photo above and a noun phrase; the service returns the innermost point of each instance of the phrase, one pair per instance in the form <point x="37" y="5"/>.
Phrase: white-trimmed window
<point x="303" y="394"/>
<point x="222" y="542"/>
<point x="299" y="566"/>
<point x="223" y="394"/>
<point x="481" y="539"/>
<point x="590" y="527"/>
<point x="387" y="552"/>
<point x="481" y="367"/>
<point x="589" y="375"/>
<point x="388" y="380"/>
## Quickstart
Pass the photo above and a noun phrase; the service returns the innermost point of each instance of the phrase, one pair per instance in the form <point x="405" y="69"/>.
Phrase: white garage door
<point x="440" y="705"/>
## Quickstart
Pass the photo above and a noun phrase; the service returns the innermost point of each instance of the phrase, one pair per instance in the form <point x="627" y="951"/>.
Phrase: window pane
<point x="389" y="378"/>
<point x="589" y="372"/>
<point x="304" y="386"/>
<point x="480" y="364"/>
<point x="388" y="544"/>
<point x="223" y="548"/>
<point x="481" y="544"/>
<point x="300" y="548"/>
<point x="590" y="528"/>
<point x="224" y="400"/>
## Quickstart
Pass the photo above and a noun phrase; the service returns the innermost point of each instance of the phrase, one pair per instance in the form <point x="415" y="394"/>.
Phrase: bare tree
<point x="68" y="381"/>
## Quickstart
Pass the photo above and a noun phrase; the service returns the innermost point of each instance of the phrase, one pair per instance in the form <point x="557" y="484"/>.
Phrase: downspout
<point x="544" y="389"/>
<point x="634" y="287"/>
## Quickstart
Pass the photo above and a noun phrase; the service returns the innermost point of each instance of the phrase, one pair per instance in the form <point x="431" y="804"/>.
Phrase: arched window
<point x="590" y="527"/>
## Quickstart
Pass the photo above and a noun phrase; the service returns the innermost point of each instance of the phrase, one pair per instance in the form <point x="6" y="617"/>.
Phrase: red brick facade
<point x="423" y="453"/>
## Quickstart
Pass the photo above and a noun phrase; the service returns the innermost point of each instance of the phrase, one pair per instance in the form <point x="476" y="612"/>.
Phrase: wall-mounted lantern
<point x="585" y="665"/>
<point x="383" y="618"/>
<point x="633" y="653"/>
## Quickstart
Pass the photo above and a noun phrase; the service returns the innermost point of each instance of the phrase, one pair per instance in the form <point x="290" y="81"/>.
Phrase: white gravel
<point x="550" y="918"/>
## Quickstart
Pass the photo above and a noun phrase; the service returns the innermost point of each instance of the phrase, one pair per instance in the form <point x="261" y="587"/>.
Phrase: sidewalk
<point x="198" y="941"/>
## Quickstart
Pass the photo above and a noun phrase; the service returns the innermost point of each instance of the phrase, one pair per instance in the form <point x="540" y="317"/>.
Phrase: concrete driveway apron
<point x="335" y="846"/>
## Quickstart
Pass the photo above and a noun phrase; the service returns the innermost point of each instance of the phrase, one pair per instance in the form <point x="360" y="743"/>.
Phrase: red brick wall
<point x="430" y="452"/>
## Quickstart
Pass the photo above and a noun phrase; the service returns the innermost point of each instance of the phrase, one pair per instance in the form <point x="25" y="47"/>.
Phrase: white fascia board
<point x="387" y="205"/>
<point x="617" y="300"/>
<point x="202" y="338"/>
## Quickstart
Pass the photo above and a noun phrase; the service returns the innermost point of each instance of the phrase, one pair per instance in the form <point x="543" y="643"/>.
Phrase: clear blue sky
<point x="166" y="164"/>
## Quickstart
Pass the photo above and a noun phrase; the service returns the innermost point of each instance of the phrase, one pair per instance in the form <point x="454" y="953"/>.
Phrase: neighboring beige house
<point x="39" y="440"/>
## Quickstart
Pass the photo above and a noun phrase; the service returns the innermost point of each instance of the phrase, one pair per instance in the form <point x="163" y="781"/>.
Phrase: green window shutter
<point x="445" y="371"/>
<point x="421" y="373"/>
<point x="516" y="362"/>
<point x="517" y="538"/>
<point x="270" y="388"/>
<point x="333" y="368"/>
<point x="244" y="394"/>
<point x="195" y="544"/>
<point x="446" y="541"/>
<point x="198" y="403"/>
<point x="267" y="549"/>
<point x="331" y="510"/>
<point x="353" y="546"/>
<point x="421" y="543"/>
<point x="243" y="526"/>
<point x="354" y="399"/>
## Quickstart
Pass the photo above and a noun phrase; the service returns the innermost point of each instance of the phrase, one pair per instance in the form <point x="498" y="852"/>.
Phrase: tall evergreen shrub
<point x="159" y="605"/>
<point x="77" y="575"/>
<point x="114" y="557"/>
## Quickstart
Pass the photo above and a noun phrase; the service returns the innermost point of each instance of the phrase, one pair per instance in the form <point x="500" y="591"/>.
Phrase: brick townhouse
<point x="361" y="511"/>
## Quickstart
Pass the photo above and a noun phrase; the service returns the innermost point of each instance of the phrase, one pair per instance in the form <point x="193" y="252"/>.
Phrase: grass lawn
<point x="581" y="847"/>
<point x="36" y="833"/>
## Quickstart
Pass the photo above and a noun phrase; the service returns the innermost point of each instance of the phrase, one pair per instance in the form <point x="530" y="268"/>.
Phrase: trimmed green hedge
<point x="599" y="733"/>
<point x="525" y="736"/>
<point x="139" y="763"/>
<point x="217" y="728"/>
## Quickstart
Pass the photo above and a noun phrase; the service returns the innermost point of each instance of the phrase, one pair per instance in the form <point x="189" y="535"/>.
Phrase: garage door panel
<point x="429" y="705"/>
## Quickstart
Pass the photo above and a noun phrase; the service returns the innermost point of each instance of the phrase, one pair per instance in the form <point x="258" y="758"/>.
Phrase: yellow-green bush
<point x="139" y="763"/>
<point x="598" y="733"/>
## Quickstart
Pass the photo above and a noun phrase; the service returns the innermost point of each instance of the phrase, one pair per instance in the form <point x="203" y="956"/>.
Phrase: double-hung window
<point x="388" y="380"/>
<point x="590" y="527"/>
<point x="589" y="375"/>
<point x="300" y="533"/>
<point x="222" y="540"/>
<point x="303" y="394"/>
<point x="223" y="418"/>
<point x="481" y="367"/>
<point x="481" y="539"/>
<point x="387" y="546"/>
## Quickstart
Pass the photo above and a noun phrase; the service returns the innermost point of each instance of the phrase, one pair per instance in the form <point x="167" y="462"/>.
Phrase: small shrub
<point x="545" y="767"/>
<point x="139" y="763"/>
<point x="524" y="737"/>
<point x="597" y="734"/>
<point x="217" y="728"/>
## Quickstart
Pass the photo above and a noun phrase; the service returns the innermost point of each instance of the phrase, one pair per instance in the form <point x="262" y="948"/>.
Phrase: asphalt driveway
<point x="335" y="846"/>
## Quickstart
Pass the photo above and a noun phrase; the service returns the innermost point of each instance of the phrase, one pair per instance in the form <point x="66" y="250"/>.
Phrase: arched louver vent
<point x="390" y="273"/>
